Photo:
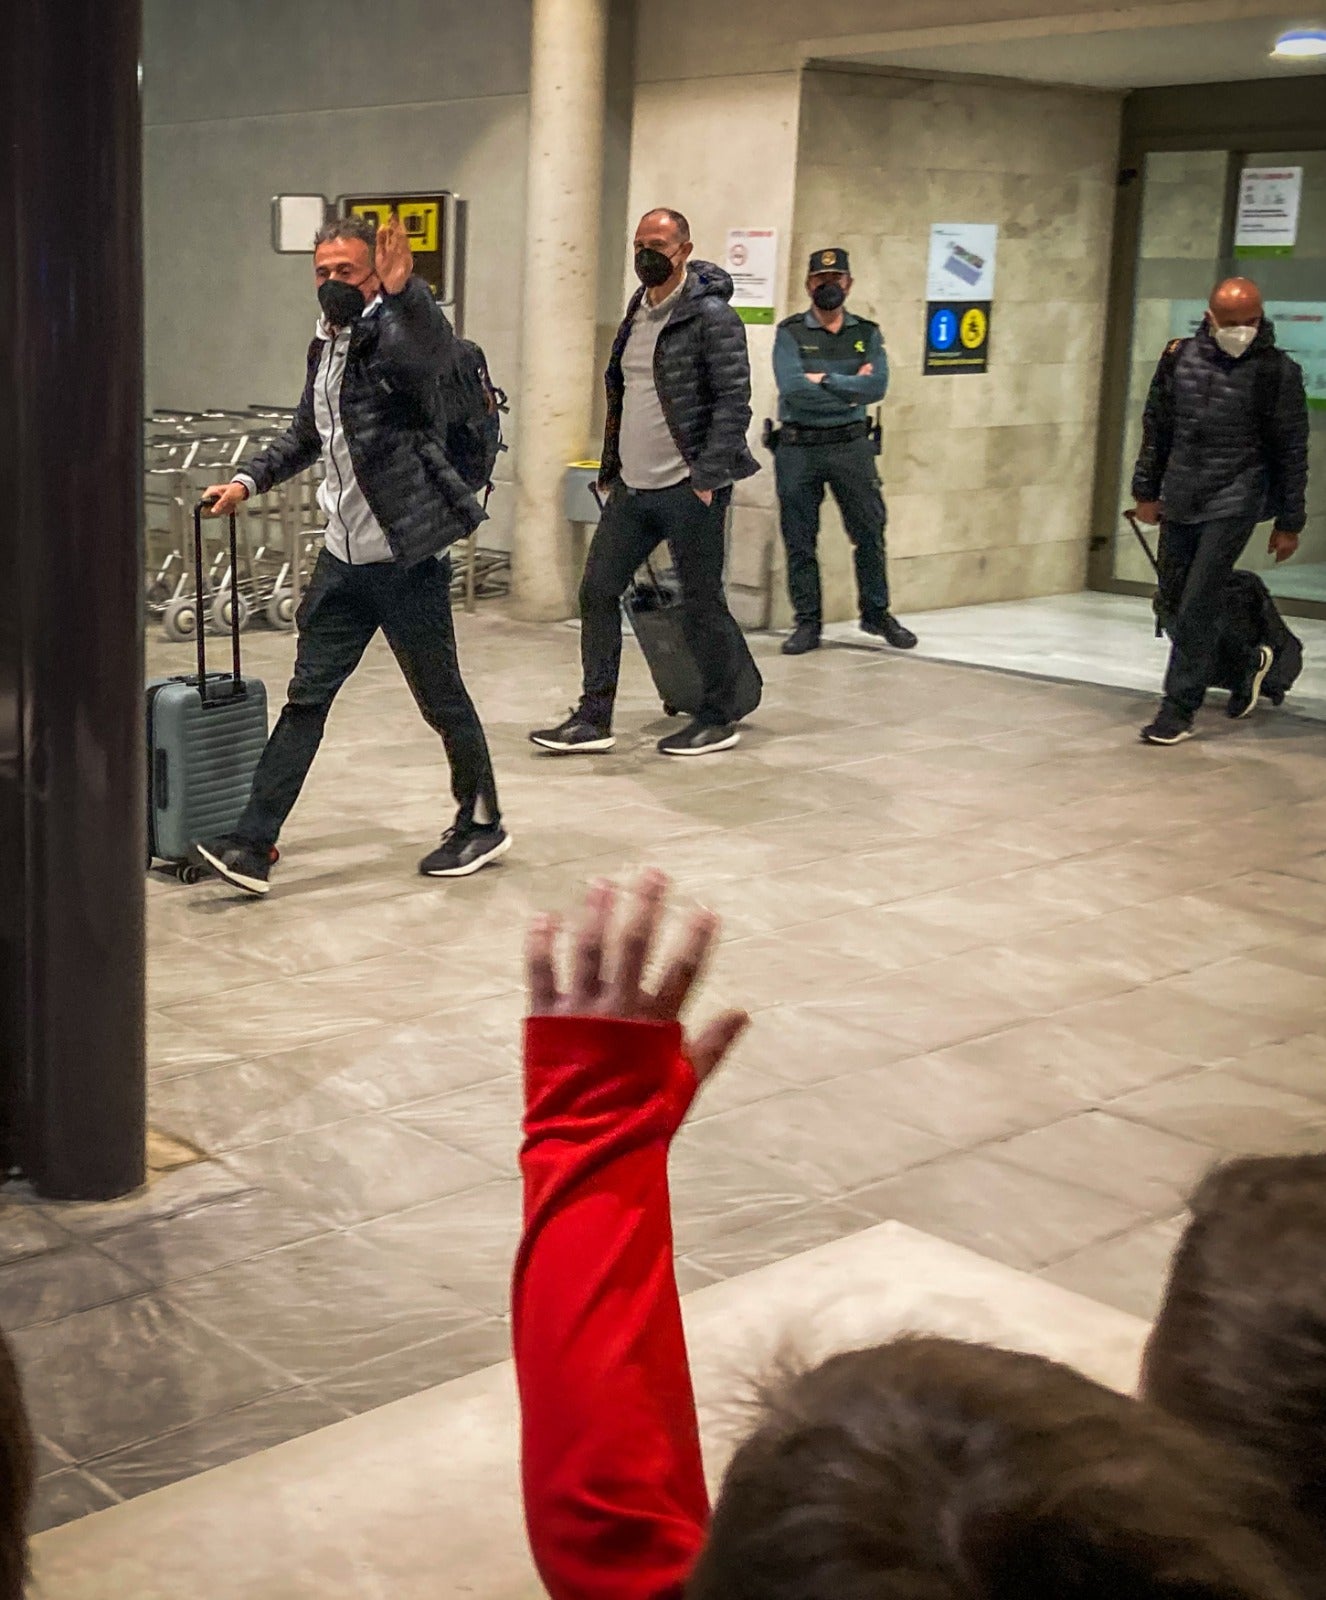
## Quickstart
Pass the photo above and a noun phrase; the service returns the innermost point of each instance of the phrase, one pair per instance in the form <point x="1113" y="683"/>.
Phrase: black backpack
<point x="474" y="410"/>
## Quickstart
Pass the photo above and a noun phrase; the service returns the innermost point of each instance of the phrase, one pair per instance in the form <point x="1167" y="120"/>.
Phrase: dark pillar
<point x="72" y="806"/>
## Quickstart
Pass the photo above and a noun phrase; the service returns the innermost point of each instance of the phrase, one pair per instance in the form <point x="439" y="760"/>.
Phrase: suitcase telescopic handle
<point x="199" y="627"/>
<point x="1130" y="517"/>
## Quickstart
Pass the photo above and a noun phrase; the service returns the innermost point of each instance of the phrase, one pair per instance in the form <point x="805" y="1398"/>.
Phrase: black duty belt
<point x="794" y="433"/>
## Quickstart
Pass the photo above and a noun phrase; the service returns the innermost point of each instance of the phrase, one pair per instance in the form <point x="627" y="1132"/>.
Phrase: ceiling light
<point x="1301" y="44"/>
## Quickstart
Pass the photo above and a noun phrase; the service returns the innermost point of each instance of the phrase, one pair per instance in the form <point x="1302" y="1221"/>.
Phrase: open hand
<point x="1282" y="545"/>
<point x="609" y="968"/>
<point x="395" y="260"/>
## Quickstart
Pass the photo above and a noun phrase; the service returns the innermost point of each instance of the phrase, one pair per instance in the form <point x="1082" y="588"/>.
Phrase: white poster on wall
<point x="962" y="261"/>
<point x="752" y="261"/>
<point x="1267" y="222"/>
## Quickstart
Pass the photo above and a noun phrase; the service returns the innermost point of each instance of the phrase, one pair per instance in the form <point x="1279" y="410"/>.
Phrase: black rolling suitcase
<point x="205" y="733"/>
<point x="655" y="612"/>
<point x="1249" y="618"/>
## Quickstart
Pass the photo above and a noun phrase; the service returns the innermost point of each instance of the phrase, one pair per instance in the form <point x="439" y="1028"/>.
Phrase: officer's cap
<point x="833" y="259"/>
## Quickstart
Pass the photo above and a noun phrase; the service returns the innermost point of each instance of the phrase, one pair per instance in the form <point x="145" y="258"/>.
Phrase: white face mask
<point x="1235" y="341"/>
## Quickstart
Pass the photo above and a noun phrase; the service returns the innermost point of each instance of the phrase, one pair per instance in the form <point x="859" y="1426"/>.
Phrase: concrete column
<point x="73" y="808"/>
<point x="557" y="383"/>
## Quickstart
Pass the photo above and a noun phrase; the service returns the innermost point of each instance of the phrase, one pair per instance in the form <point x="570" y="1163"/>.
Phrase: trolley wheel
<point x="281" y="610"/>
<point x="179" y="621"/>
<point x="188" y="873"/>
<point x="220" y="613"/>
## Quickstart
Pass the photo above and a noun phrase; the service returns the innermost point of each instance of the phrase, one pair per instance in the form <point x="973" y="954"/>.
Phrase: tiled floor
<point x="1017" y="980"/>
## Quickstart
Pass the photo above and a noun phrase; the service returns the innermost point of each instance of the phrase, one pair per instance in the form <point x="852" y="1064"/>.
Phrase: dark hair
<point x="928" y="1469"/>
<point x="1239" y="1348"/>
<point x="360" y="228"/>
<point x="677" y="220"/>
<point x="17" y="1476"/>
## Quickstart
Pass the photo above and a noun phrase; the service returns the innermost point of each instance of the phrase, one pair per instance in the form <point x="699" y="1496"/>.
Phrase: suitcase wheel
<point x="188" y="873"/>
<point x="179" y="621"/>
<point x="670" y="711"/>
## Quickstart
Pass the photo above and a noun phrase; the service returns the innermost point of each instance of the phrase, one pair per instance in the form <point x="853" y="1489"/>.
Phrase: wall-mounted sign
<point x="1267" y="222"/>
<point x="959" y="292"/>
<point x="296" y="219"/>
<point x="428" y="220"/>
<point x="957" y="336"/>
<point x="752" y="262"/>
<point x="962" y="261"/>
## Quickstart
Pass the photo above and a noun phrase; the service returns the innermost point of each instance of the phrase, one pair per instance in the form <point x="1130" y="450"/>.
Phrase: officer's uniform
<point x="824" y="438"/>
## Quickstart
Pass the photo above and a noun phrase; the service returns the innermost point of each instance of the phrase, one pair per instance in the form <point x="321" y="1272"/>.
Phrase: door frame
<point x="1240" y="119"/>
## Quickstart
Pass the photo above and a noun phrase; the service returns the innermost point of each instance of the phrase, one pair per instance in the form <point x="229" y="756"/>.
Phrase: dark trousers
<point x="344" y="607"/>
<point x="803" y="471"/>
<point x="1196" y="559"/>
<point x="633" y="525"/>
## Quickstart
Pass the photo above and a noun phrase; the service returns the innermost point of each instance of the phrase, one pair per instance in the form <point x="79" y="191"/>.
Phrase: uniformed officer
<point x="829" y="366"/>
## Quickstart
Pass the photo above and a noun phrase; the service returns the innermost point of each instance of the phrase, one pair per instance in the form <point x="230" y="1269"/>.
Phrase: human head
<point x="829" y="271"/>
<point x="662" y="237"/>
<point x="928" y="1469"/>
<point x="17" y="1476"/>
<point x="344" y="251"/>
<point x="1236" y="303"/>
<point x="1239" y="1347"/>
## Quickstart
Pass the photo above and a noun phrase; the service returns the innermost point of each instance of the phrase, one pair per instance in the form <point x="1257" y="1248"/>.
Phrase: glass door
<point x="1187" y="242"/>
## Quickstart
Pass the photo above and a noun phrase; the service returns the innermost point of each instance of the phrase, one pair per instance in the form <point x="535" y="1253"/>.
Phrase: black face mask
<point x="652" y="267"/>
<point x="828" y="296"/>
<point x="342" y="303"/>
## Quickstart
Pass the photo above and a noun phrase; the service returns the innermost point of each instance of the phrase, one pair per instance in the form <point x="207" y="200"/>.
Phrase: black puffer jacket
<point x="392" y="414"/>
<point x="1225" y="436"/>
<point x="702" y="372"/>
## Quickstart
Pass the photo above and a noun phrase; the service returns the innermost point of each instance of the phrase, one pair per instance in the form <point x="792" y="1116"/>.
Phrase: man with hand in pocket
<point x="678" y="386"/>
<point x="372" y="410"/>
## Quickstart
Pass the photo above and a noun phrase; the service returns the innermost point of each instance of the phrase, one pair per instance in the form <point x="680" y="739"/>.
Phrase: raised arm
<point x="615" y="1501"/>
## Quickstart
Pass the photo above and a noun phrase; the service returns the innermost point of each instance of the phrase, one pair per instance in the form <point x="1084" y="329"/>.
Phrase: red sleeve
<point x="615" y="1498"/>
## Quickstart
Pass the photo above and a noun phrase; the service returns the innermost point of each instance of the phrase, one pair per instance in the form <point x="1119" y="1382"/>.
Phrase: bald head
<point x="1236" y="303"/>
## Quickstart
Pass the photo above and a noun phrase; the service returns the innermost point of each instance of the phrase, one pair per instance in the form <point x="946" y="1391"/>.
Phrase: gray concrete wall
<point x="244" y="99"/>
<point x="248" y="98"/>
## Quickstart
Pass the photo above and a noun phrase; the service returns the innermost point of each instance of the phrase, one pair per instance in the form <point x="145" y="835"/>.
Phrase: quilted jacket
<point x="702" y="373"/>
<point x="1225" y="436"/>
<point x="391" y="408"/>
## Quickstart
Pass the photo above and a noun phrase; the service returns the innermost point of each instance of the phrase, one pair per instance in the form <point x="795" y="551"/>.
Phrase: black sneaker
<point x="1169" y="727"/>
<point x="700" y="739"/>
<point x="576" y="736"/>
<point x="891" y="631"/>
<point x="238" y="862"/>
<point x="1243" y="700"/>
<point x="465" y="850"/>
<point x="803" y="638"/>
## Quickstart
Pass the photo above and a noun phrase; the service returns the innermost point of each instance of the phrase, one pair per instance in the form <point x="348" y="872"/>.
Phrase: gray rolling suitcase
<point x="205" y="733"/>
